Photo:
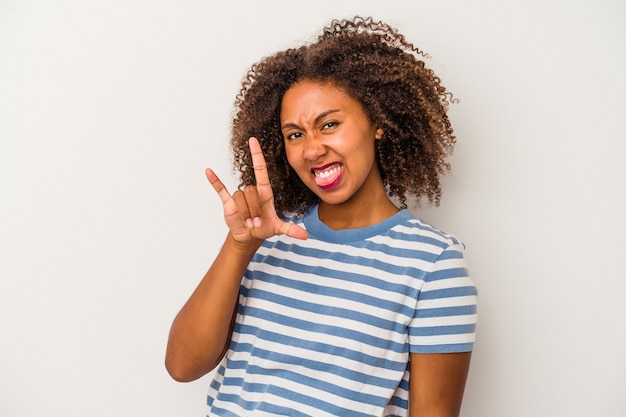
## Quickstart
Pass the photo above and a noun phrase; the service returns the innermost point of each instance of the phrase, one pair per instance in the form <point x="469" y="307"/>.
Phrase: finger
<point x="218" y="186"/>
<point x="292" y="230"/>
<point x="252" y="200"/>
<point x="259" y="164"/>
<point x="242" y="208"/>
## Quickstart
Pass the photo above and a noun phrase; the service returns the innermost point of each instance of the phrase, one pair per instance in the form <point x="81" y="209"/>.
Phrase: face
<point x="330" y="142"/>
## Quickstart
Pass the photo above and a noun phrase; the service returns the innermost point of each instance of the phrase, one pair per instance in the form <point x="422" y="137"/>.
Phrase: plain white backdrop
<point x="111" y="110"/>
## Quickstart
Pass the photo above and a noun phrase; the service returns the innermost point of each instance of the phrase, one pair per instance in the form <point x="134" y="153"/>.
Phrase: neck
<point x="357" y="214"/>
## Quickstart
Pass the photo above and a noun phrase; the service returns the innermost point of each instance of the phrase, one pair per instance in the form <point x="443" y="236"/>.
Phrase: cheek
<point x="291" y="157"/>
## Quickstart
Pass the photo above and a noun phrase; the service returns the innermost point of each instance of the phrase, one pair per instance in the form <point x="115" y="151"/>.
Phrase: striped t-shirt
<point x="325" y="325"/>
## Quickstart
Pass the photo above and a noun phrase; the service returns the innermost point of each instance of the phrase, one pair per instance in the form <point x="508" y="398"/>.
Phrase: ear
<point x="379" y="134"/>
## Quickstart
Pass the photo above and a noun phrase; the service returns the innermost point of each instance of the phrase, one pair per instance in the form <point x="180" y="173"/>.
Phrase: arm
<point x="201" y="331"/>
<point x="437" y="383"/>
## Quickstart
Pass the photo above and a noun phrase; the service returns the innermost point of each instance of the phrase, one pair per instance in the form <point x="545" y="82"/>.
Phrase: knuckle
<point x="250" y="190"/>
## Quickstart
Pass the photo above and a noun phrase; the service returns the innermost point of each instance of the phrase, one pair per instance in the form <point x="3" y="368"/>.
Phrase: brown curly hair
<point x="374" y="64"/>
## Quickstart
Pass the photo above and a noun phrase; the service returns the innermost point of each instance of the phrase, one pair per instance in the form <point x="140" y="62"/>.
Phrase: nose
<point x="313" y="148"/>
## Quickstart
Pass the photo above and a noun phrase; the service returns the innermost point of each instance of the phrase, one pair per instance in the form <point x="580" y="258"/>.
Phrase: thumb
<point x="292" y="230"/>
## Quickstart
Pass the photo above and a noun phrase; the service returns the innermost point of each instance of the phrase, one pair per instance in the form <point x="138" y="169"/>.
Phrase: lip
<point x="328" y="186"/>
<point x="323" y="167"/>
<point x="333" y="184"/>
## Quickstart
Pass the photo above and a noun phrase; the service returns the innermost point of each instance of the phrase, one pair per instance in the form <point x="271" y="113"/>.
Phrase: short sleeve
<point x="446" y="312"/>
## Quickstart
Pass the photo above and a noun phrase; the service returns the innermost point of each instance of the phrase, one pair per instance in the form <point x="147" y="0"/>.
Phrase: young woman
<point x="328" y="297"/>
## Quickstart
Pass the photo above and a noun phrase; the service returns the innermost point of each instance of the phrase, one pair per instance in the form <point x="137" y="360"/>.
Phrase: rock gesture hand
<point x="250" y="213"/>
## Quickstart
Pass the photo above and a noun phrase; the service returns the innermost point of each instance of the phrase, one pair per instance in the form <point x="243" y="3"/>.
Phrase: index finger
<point x="258" y="163"/>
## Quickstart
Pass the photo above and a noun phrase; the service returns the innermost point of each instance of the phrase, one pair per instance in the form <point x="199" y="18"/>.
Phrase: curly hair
<point x="377" y="66"/>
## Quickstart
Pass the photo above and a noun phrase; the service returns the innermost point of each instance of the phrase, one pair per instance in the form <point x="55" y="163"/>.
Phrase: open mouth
<point x="328" y="176"/>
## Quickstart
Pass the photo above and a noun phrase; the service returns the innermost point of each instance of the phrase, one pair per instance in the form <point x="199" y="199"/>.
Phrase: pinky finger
<point x="218" y="186"/>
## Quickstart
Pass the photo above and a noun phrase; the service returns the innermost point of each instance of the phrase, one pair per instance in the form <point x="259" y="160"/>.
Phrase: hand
<point x="250" y="214"/>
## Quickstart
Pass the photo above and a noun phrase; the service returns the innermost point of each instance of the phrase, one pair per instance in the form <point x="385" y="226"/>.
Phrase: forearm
<point x="201" y="331"/>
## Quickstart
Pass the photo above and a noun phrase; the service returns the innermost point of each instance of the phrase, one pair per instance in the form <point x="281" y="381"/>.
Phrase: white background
<point x="111" y="110"/>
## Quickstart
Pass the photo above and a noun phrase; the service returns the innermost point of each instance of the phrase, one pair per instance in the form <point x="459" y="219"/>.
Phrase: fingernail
<point x="249" y="224"/>
<point x="257" y="222"/>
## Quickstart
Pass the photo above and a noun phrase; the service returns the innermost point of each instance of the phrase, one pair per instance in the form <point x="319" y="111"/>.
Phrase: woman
<point x="328" y="297"/>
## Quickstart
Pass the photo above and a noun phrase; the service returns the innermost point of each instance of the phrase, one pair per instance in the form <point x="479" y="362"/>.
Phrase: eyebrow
<point x="318" y="119"/>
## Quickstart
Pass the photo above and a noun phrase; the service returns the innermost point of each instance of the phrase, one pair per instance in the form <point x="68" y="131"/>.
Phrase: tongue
<point x="323" y="182"/>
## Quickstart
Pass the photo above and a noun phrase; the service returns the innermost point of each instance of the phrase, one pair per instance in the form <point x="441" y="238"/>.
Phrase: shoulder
<point x="416" y="226"/>
<point x="415" y="232"/>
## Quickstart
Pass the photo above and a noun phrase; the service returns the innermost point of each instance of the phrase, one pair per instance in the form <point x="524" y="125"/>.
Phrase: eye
<point x="329" y="125"/>
<point x="294" y="135"/>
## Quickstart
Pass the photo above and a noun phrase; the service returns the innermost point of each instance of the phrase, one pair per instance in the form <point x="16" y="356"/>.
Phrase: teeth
<point x="327" y="172"/>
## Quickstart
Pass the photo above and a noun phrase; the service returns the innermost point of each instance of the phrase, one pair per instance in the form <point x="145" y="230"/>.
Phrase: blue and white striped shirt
<point x="325" y="326"/>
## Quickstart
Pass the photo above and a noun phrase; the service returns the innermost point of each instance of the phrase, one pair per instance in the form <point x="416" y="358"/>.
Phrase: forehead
<point x="310" y="98"/>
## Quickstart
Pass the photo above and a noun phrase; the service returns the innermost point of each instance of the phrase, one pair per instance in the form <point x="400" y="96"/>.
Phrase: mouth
<point x="328" y="176"/>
